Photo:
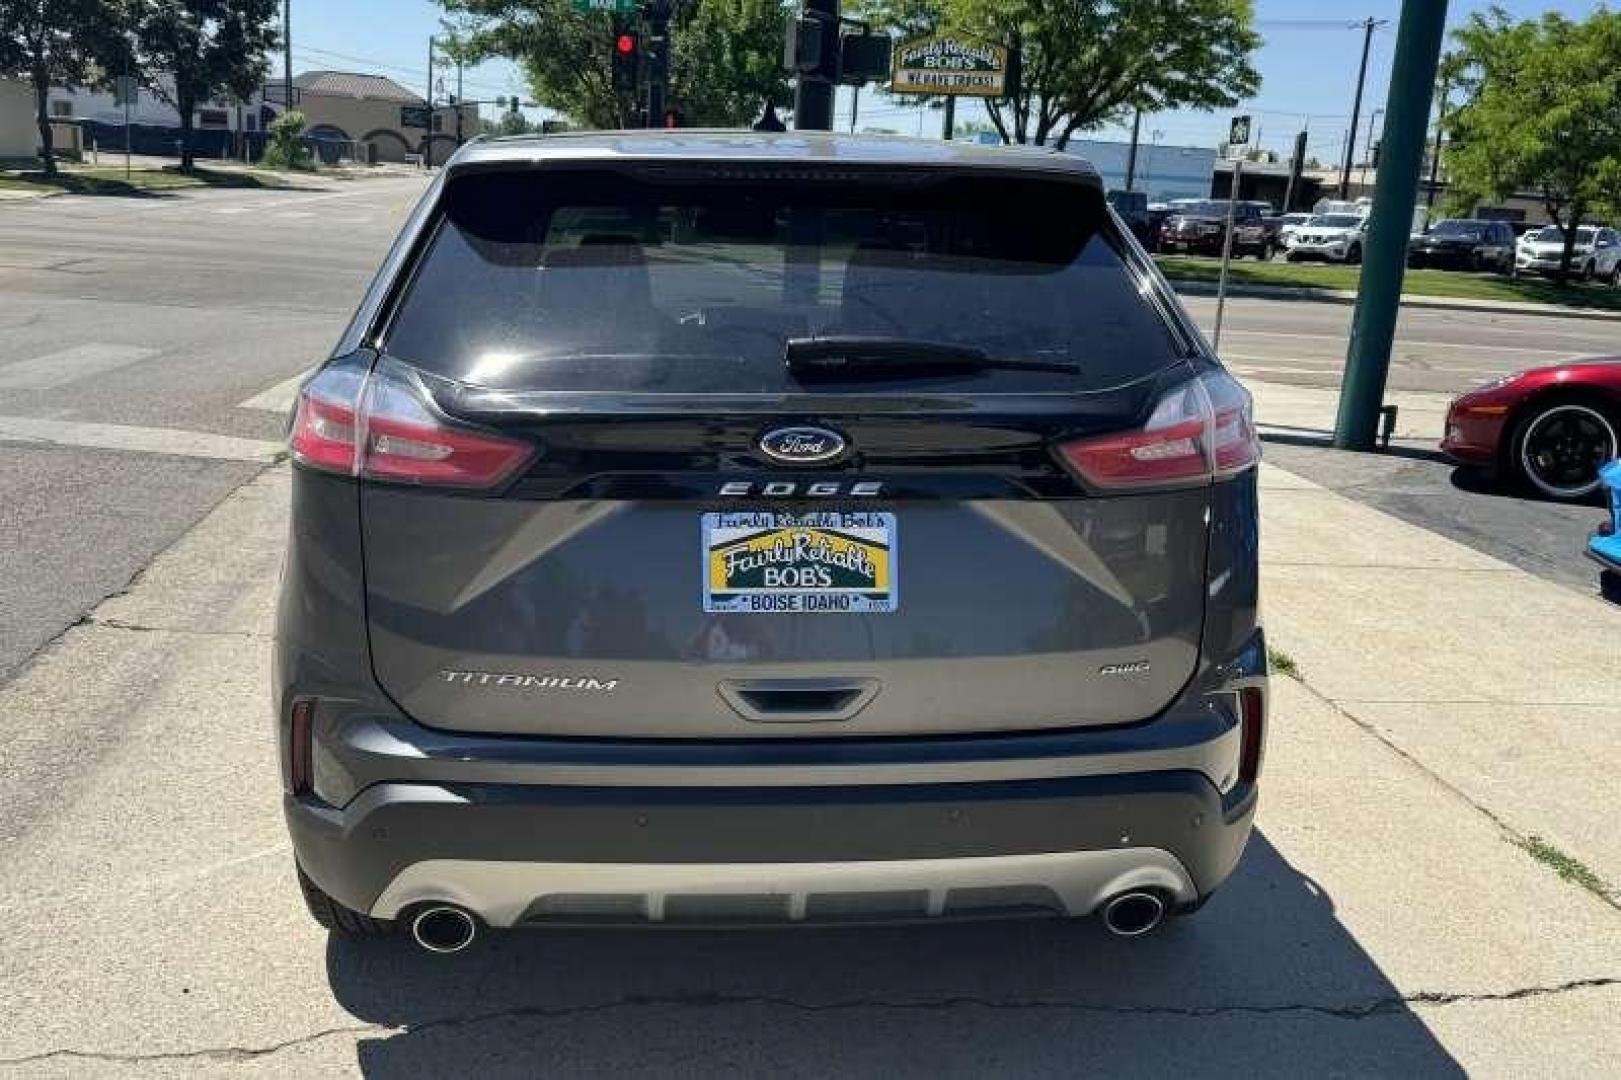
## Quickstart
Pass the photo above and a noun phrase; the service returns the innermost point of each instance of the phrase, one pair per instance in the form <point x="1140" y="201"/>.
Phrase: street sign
<point x="618" y="7"/>
<point x="949" y="64"/>
<point x="415" y="116"/>
<point x="1239" y="133"/>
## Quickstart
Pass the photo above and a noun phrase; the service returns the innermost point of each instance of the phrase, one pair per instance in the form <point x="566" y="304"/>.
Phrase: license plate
<point x="827" y="561"/>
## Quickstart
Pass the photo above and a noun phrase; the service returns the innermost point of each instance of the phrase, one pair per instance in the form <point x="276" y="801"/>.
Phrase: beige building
<point x="353" y="115"/>
<point x="19" y="138"/>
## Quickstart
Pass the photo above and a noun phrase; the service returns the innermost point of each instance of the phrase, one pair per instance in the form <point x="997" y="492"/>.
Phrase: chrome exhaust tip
<point x="441" y="928"/>
<point x="1133" y="914"/>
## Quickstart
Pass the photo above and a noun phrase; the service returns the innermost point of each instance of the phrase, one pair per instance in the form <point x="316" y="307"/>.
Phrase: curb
<point x="1185" y="287"/>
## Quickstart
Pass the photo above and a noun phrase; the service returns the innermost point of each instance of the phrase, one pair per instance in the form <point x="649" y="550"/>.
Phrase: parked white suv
<point x="1597" y="253"/>
<point x="1332" y="237"/>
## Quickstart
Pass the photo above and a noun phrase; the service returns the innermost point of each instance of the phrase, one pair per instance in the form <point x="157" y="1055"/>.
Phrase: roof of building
<point x="794" y="147"/>
<point x="354" y="85"/>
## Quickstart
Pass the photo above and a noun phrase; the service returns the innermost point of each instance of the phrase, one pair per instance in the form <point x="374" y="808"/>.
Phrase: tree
<point x="1541" y="112"/>
<point x="58" y="43"/>
<point x="192" y="51"/>
<point x="725" y="57"/>
<point x="1089" y="63"/>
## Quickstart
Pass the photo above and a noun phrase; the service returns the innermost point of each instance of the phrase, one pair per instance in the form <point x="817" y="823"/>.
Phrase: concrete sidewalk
<point x="1306" y="411"/>
<point x="1499" y="684"/>
<point x="1383" y="922"/>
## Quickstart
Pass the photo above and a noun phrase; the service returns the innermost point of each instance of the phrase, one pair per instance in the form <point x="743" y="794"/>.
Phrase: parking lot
<point x="1392" y="915"/>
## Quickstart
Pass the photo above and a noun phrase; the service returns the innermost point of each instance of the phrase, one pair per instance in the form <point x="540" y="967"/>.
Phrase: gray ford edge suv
<point x="721" y="528"/>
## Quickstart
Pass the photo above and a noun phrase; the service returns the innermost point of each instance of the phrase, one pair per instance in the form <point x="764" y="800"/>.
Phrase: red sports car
<point x="1550" y="427"/>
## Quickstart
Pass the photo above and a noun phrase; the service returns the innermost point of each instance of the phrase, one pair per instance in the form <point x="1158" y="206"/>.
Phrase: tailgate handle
<point x="797" y="701"/>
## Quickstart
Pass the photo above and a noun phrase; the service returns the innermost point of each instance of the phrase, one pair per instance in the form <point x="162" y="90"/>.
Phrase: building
<point x="19" y="138"/>
<point x="1163" y="172"/>
<point x="371" y="117"/>
<point x="153" y="125"/>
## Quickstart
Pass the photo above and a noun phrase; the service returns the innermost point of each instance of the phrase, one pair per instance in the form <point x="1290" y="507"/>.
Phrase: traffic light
<point x="626" y="59"/>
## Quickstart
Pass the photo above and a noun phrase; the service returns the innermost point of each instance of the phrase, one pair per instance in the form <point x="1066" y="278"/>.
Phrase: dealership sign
<point x="950" y="64"/>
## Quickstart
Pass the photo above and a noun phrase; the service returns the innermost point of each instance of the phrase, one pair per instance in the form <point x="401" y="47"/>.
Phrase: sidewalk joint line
<point x="1608" y="894"/>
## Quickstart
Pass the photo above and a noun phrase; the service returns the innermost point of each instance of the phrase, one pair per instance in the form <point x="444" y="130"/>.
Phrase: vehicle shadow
<point x="1264" y="981"/>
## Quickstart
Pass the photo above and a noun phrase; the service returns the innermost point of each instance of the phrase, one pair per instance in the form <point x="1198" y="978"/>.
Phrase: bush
<point x="286" y="148"/>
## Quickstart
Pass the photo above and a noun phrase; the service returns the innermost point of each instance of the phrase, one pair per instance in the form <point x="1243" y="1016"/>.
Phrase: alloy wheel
<point x="1563" y="448"/>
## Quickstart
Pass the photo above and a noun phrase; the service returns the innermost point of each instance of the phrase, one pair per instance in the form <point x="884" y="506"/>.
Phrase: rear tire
<point x="1353" y="256"/>
<point x="337" y="918"/>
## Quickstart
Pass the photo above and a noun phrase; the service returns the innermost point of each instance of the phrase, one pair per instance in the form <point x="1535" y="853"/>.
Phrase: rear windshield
<point x="1463" y="230"/>
<point x="608" y="281"/>
<point x="1336" y="221"/>
<point x="1553" y="234"/>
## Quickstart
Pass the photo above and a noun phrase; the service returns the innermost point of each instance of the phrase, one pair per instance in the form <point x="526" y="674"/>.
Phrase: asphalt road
<point x="147" y="347"/>
<point x="126" y="323"/>
<point x="1304" y="342"/>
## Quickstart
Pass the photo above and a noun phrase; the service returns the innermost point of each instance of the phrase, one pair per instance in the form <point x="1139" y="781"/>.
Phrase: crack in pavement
<point x="1363" y="1010"/>
<point x="121" y="624"/>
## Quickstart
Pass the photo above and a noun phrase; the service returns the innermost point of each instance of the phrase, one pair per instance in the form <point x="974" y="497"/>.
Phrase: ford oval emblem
<point x="802" y="445"/>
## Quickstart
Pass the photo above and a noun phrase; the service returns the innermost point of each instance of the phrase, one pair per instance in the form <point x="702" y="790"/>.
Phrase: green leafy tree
<point x="1089" y="63"/>
<point x="1541" y="112"/>
<point x="58" y="43"/>
<point x="285" y="148"/>
<point x="192" y="51"/>
<point x="725" y="57"/>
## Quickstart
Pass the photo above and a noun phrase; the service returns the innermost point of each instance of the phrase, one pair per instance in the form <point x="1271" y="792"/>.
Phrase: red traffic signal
<point x="625" y="44"/>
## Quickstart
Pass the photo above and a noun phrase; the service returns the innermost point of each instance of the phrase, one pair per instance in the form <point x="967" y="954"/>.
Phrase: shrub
<point x="286" y="148"/>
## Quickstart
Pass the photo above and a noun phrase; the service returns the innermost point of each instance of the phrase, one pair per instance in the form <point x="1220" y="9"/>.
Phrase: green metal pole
<point x="1373" y="327"/>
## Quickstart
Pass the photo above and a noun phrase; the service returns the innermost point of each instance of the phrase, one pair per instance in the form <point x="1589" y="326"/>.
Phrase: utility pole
<point x="1373" y="327"/>
<point x="287" y="55"/>
<point x="1367" y="152"/>
<point x="1435" y="155"/>
<point x="427" y="136"/>
<point x="1131" y="155"/>
<point x="458" y="101"/>
<point x="948" y="126"/>
<point x="1297" y="165"/>
<point x="1368" y="25"/>
<point x="813" y="90"/>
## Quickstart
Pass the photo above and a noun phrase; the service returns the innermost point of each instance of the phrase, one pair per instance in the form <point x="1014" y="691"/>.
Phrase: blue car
<point x="1604" y="546"/>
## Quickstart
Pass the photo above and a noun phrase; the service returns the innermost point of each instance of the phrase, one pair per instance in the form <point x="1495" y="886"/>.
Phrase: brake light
<point x="1200" y="431"/>
<point x="399" y="435"/>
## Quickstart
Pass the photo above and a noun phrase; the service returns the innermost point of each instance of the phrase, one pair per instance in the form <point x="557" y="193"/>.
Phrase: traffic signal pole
<point x="1373" y="327"/>
<point x="813" y="91"/>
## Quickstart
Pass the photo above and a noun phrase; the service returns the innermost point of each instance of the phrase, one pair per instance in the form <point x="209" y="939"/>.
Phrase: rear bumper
<point x="522" y="853"/>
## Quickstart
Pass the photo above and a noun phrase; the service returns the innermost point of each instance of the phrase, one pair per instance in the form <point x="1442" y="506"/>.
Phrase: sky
<point x="1308" y="67"/>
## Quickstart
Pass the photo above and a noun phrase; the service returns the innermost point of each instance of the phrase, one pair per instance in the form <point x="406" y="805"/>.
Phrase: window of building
<point x="61" y="108"/>
<point x="213" y="118"/>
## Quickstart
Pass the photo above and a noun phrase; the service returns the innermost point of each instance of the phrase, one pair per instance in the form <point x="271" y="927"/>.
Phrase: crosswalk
<point x="90" y="360"/>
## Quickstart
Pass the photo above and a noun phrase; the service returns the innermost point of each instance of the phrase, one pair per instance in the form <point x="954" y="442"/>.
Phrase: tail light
<point x="1252" y="724"/>
<point x="1200" y="431"/>
<point x="379" y="425"/>
<point x="299" y="746"/>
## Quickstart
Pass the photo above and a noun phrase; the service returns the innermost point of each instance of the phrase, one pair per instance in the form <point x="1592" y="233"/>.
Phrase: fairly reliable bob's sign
<point x="950" y="64"/>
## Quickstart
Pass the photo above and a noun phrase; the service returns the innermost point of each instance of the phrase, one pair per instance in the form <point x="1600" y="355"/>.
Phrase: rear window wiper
<point x="832" y="357"/>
